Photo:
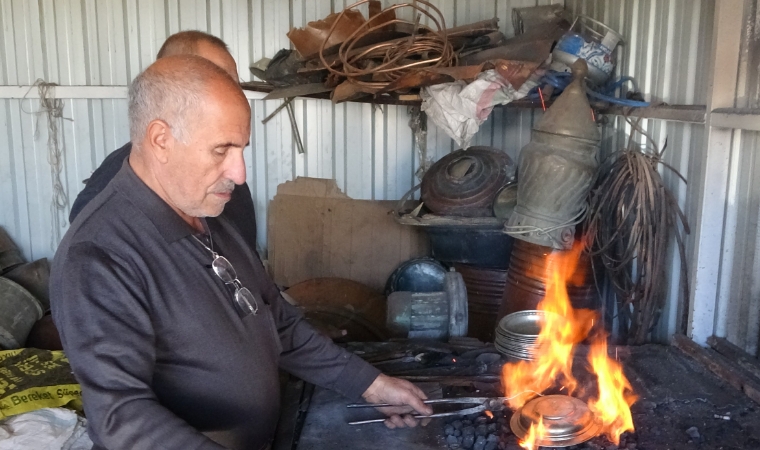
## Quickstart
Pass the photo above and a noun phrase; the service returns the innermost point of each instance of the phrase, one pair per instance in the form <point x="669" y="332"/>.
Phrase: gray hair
<point x="172" y="92"/>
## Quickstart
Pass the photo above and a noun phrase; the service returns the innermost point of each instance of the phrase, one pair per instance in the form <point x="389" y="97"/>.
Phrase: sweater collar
<point x="168" y="223"/>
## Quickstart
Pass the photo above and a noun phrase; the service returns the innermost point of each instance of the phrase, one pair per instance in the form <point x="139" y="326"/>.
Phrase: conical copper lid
<point x="570" y="114"/>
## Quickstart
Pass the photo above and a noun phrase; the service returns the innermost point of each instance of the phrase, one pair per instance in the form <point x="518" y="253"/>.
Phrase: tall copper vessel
<point x="556" y="170"/>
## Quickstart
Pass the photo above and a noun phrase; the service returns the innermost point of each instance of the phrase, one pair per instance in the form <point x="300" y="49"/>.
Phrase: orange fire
<point x="552" y="363"/>
<point x="535" y="432"/>
<point x="613" y="407"/>
<point x="489" y="414"/>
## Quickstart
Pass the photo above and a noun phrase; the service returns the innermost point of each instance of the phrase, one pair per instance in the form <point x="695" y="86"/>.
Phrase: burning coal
<point x="551" y="368"/>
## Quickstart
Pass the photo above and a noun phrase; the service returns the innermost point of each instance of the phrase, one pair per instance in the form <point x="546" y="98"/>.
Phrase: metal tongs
<point x="481" y="404"/>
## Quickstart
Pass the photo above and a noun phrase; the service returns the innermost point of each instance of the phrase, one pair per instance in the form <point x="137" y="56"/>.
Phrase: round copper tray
<point x="568" y="421"/>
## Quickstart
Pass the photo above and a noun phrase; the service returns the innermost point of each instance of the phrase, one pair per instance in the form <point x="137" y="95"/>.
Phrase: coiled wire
<point x="397" y="57"/>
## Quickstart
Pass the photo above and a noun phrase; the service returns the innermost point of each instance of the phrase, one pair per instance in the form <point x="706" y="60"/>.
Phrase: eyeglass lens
<point x="223" y="269"/>
<point x="245" y="302"/>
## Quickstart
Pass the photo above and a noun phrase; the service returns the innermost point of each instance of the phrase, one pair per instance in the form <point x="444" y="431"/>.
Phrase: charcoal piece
<point x="480" y="443"/>
<point x="490" y="446"/>
<point x="457" y="424"/>
<point x="468" y="441"/>
<point x="457" y="432"/>
<point x="492" y="427"/>
<point x="492" y="438"/>
<point x="451" y="440"/>
<point x="459" y="440"/>
<point x="481" y="430"/>
<point x="448" y="430"/>
<point x="466" y="422"/>
<point x="481" y="420"/>
<point x="468" y="431"/>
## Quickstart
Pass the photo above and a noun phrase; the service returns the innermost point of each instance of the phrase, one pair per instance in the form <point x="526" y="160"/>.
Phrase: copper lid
<point x="568" y="421"/>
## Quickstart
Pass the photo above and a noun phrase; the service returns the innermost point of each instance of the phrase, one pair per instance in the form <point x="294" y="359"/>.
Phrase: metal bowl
<point x="568" y="420"/>
<point x="522" y="324"/>
<point x="517" y="333"/>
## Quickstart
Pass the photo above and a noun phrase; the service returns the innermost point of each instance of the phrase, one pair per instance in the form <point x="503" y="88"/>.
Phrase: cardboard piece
<point x="315" y="230"/>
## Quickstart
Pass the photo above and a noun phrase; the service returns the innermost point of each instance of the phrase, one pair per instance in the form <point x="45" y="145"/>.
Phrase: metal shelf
<point x="677" y="113"/>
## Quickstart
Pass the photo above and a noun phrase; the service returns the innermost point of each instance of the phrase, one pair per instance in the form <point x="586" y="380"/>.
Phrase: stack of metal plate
<point x="516" y="334"/>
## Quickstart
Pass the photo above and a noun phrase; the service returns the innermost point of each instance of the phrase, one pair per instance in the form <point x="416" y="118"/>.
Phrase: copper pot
<point x="526" y="282"/>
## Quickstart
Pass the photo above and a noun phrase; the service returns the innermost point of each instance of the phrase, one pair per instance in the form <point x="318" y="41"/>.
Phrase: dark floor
<point x="681" y="406"/>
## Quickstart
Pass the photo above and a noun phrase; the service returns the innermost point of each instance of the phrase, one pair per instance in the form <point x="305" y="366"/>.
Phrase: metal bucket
<point x="19" y="310"/>
<point x="34" y="277"/>
<point x="526" y="280"/>
<point x="9" y="254"/>
<point x="485" y="289"/>
<point x="484" y="247"/>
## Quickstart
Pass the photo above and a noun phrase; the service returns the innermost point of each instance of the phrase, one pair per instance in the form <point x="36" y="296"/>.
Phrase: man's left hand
<point x="396" y="391"/>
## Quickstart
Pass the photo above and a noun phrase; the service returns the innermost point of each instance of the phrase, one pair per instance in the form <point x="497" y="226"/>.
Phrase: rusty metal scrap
<point x="307" y="40"/>
<point x="354" y="56"/>
<point x="426" y="47"/>
<point x="516" y="72"/>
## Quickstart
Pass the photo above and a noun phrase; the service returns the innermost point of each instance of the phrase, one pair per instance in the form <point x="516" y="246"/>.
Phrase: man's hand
<point x="395" y="391"/>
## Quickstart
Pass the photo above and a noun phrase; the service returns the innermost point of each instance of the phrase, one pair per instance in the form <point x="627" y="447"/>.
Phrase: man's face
<point x="199" y="175"/>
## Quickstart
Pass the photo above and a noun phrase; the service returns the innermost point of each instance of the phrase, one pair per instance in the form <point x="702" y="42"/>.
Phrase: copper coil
<point x="432" y="47"/>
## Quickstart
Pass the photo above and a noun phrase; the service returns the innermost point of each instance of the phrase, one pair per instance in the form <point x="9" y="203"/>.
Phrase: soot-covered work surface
<point x="679" y="401"/>
<point x="326" y="428"/>
<point x="680" y="406"/>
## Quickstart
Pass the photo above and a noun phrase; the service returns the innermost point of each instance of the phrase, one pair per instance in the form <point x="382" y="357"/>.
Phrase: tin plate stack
<point x="516" y="334"/>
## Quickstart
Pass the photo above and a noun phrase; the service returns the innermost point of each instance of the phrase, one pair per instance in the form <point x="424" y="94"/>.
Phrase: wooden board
<point x="721" y="366"/>
<point x="317" y="231"/>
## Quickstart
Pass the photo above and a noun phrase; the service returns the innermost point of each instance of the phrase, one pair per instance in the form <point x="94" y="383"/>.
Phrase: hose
<point x="560" y="80"/>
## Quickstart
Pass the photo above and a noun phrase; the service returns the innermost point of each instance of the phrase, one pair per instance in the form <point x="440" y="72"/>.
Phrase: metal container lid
<point x="570" y="114"/>
<point x="568" y="421"/>
<point x="465" y="182"/>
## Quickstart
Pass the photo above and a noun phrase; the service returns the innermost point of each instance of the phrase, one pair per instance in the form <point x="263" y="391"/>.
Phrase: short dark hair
<point x="186" y="43"/>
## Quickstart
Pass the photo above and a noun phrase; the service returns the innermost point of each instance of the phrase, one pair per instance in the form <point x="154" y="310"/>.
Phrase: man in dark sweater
<point x="190" y="42"/>
<point x="168" y="318"/>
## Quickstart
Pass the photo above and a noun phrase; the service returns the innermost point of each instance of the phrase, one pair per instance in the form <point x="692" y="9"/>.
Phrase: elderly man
<point x="190" y="42"/>
<point x="168" y="318"/>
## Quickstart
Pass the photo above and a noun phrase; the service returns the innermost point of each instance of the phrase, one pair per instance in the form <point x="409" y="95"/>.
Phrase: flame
<point x="489" y="414"/>
<point x="613" y="407"/>
<point x="535" y="432"/>
<point x="552" y="363"/>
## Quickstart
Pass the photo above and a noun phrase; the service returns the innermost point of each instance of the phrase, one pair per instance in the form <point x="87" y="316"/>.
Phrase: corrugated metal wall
<point x="369" y="150"/>
<point x="667" y="42"/>
<point x="738" y="311"/>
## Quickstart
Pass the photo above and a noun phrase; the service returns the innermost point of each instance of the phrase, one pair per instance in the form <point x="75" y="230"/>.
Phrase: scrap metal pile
<point x="399" y="49"/>
<point x="407" y="54"/>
